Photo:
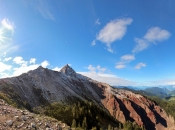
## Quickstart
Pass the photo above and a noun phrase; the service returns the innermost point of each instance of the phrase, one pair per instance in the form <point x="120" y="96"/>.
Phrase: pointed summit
<point x="68" y="70"/>
<point x="40" y="67"/>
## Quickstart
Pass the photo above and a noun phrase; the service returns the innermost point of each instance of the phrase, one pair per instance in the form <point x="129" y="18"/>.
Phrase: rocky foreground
<point x="15" y="119"/>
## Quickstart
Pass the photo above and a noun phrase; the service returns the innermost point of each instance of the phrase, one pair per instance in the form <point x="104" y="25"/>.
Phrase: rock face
<point x="16" y="119"/>
<point x="42" y="86"/>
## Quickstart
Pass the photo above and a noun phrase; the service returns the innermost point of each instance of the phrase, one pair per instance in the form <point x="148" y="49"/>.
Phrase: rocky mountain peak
<point x="40" y="67"/>
<point x="68" y="70"/>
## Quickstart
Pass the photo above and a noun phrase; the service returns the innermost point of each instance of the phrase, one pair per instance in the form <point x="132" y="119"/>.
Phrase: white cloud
<point x="45" y="64"/>
<point x="57" y="69"/>
<point x="114" y="30"/>
<point x="19" y="60"/>
<point x="161" y="82"/>
<point x="24" y="69"/>
<point x="6" y="33"/>
<point x="97" y="69"/>
<point x="4" y="75"/>
<point x="140" y="65"/>
<point x="141" y="45"/>
<point x="4" y="67"/>
<point x="32" y="61"/>
<point x="120" y="65"/>
<point x="102" y="74"/>
<point x="127" y="57"/>
<point x="101" y="70"/>
<point x="7" y="59"/>
<point x="7" y="24"/>
<point x="91" y="68"/>
<point x="108" y="78"/>
<point x="155" y="34"/>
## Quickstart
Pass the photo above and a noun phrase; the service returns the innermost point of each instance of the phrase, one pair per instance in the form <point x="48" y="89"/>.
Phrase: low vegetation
<point x="84" y="115"/>
<point x="167" y="105"/>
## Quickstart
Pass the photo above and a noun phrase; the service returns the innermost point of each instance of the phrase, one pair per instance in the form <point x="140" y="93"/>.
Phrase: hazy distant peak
<point x="68" y="70"/>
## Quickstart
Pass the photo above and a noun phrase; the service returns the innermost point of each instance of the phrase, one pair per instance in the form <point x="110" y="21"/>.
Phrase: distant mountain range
<point x="42" y="87"/>
<point x="160" y="91"/>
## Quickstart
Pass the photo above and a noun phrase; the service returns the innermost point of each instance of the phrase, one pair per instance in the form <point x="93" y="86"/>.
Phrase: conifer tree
<point x="73" y="123"/>
<point x="84" y="123"/>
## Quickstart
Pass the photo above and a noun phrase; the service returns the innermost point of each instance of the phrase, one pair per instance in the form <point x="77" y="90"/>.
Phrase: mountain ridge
<point x="43" y="86"/>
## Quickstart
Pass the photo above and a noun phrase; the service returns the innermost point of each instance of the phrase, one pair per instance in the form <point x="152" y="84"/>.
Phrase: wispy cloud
<point x="32" y="60"/>
<point x="156" y="34"/>
<point x="101" y="74"/>
<point x="114" y="30"/>
<point x="161" y="82"/>
<point x="7" y="24"/>
<point x="127" y="57"/>
<point x="153" y="35"/>
<point x="7" y="59"/>
<point x="6" y="34"/>
<point x="120" y="65"/>
<point x="97" y="22"/>
<point x="140" y="46"/>
<point x="93" y="43"/>
<point x="42" y="6"/>
<point x="140" y="65"/>
<point x="96" y="69"/>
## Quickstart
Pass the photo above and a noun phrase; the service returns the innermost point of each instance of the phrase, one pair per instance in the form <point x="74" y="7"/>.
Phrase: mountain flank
<point x="42" y="87"/>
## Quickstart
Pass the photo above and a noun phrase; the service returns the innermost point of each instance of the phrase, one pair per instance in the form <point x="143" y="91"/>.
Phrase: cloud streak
<point x="120" y="65"/>
<point x="113" y="31"/>
<point x="101" y="74"/>
<point x="41" y="6"/>
<point x="127" y="57"/>
<point x="6" y="33"/>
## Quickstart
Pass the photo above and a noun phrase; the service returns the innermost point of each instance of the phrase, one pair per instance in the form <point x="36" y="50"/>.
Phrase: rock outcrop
<point x="15" y="119"/>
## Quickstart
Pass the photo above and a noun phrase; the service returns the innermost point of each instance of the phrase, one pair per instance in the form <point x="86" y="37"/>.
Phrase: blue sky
<point x="120" y="42"/>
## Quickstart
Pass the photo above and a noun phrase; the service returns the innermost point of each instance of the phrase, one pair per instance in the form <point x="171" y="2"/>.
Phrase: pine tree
<point x="109" y="127"/>
<point x="84" y="123"/>
<point x="73" y="123"/>
<point x="120" y="127"/>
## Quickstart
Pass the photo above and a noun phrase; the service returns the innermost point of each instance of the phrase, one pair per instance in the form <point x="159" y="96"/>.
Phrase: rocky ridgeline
<point x="15" y="119"/>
